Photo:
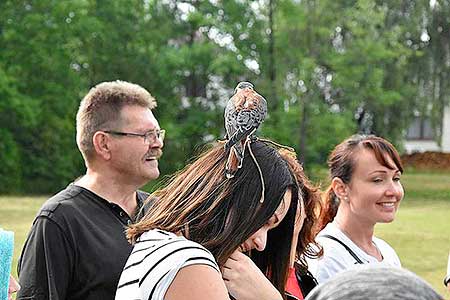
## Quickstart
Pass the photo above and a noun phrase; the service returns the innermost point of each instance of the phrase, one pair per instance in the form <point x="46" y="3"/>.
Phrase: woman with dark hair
<point x="299" y="281"/>
<point x="201" y="219"/>
<point x="365" y="190"/>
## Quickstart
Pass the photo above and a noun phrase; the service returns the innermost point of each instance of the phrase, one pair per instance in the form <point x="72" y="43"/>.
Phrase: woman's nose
<point x="260" y="240"/>
<point x="395" y="189"/>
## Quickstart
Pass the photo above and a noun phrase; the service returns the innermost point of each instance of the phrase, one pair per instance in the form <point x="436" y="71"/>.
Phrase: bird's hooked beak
<point x="243" y="85"/>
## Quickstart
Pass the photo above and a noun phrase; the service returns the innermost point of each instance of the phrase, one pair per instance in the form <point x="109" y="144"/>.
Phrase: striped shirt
<point x="155" y="261"/>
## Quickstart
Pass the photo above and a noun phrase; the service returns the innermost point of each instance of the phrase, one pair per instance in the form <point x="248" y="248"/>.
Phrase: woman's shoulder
<point x="159" y="244"/>
<point x="331" y="263"/>
<point x="161" y="238"/>
<point x="157" y="257"/>
<point x="156" y="235"/>
<point x="331" y="239"/>
<point x="335" y="257"/>
<point x="338" y="254"/>
<point x="202" y="282"/>
<point x="329" y="229"/>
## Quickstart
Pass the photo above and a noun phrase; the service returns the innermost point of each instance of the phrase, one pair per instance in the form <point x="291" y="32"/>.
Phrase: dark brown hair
<point x="341" y="164"/>
<point x="221" y="213"/>
<point x="306" y="244"/>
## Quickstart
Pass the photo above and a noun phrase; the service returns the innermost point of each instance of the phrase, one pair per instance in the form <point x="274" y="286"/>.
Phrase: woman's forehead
<point x="366" y="159"/>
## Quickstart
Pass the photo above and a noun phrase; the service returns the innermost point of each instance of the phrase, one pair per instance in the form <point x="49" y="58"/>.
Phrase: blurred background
<point x="327" y="68"/>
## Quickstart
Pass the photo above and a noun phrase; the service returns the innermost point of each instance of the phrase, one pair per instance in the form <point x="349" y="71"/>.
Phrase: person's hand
<point x="12" y="287"/>
<point x="245" y="281"/>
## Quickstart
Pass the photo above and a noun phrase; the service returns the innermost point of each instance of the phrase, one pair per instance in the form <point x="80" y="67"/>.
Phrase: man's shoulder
<point x="64" y="198"/>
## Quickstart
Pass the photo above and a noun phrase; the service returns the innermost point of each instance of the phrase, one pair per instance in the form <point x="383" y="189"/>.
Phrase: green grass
<point x="17" y="214"/>
<point x="420" y="233"/>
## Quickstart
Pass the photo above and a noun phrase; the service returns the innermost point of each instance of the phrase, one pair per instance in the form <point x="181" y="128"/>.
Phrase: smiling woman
<point x="365" y="190"/>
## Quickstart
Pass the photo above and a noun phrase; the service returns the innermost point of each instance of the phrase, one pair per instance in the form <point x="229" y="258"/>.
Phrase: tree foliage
<point x="327" y="68"/>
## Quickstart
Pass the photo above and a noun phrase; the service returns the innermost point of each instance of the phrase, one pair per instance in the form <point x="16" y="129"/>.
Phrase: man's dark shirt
<point x="76" y="248"/>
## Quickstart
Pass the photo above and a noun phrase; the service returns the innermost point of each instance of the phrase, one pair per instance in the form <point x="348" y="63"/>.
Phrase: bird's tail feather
<point x="233" y="163"/>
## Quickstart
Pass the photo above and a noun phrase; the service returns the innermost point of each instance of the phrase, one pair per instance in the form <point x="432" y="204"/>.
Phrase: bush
<point x="10" y="170"/>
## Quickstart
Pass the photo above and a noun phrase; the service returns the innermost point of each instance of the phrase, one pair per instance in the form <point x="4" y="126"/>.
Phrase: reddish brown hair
<point x="311" y="199"/>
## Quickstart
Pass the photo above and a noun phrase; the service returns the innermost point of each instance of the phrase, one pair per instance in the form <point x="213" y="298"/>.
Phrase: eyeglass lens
<point x="153" y="135"/>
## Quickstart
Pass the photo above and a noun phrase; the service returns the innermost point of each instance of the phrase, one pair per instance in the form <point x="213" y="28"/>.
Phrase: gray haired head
<point x="376" y="283"/>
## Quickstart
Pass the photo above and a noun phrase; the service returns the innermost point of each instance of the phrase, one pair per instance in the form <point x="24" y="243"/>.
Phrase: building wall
<point x="446" y="130"/>
<point x="412" y="146"/>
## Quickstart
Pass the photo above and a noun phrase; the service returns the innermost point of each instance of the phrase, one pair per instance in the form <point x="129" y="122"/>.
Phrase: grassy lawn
<point x="17" y="214"/>
<point x="420" y="233"/>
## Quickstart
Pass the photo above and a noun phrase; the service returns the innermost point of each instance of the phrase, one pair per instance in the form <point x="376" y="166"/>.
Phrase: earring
<point x="346" y="199"/>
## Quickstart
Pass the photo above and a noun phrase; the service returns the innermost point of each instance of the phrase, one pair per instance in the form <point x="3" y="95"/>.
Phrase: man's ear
<point x="101" y="143"/>
<point x="339" y="188"/>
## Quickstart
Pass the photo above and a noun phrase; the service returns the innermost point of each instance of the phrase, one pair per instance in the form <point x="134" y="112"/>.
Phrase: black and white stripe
<point x="154" y="262"/>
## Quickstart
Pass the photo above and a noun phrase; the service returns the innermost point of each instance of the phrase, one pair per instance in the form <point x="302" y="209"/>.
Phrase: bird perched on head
<point x="245" y="111"/>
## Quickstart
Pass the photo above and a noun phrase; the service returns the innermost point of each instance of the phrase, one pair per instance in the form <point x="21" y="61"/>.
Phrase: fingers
<point x="237" y="255"/>
<point x="226" y="274"/>
<point x="228" y="268"/>
<point x="231" y="266"/>
<point x="233" y="274"/>
<point x="235" y="264"/>
<point x="229" y="274"/>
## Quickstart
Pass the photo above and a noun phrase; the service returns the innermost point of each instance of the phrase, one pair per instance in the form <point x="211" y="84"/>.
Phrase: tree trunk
<point x="272" y="71"/>
<point x="303" y="126"/>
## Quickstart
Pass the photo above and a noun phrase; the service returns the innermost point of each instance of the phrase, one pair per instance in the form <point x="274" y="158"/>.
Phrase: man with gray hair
<point x="377" y="283"/>
<point x="77" y="248"/>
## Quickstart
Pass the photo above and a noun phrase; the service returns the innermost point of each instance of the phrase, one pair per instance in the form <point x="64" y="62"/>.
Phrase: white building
<point x="420" y="135"/>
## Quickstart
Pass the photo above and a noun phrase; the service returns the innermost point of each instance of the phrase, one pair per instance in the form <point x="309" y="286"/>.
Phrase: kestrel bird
<point x="244" y="112"/>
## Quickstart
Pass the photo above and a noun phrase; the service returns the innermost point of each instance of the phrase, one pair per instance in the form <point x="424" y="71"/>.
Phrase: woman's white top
<point x="447" y="277"/>
<point x="448" y="265"/>
<point x="336" y="258"/>
<point x="154" y="262"/>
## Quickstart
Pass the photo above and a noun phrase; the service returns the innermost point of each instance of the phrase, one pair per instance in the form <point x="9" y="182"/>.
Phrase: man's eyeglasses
<point x="149" y="137"/>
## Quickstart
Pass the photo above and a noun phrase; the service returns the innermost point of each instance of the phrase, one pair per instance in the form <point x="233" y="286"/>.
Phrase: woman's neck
<point x="359" y="232"/>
